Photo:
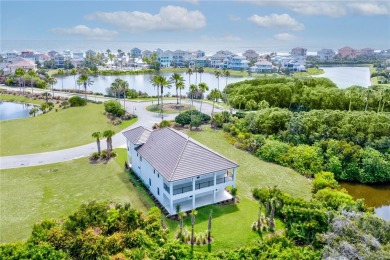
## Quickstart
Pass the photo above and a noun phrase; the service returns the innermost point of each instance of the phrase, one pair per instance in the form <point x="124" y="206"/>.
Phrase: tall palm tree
<point x="175" y="79"/>
<point x="74" y="73"/>
<point x="218" y="74"/>
<point x="115" y="86"/>
<point x="209" y="226"/>
<point x="214" y="94"/>
<point x="189" y="72"/>
<point x="86" y="81"/>
<point x="180" y="86"/>
<point x="52" y="81"/>
<point x="97" y="135"/>
<point x="60" y="73"/>
<point x="203" y="88"/>
<point x="155" y="84"/>
<point x="385" y="97"/>
<point x="125" y="88"/>
<point x="226" y="74"/>
<point x="369" y="92"/>
<point x="195" y="70"/>
<point x="163" y="83"/>
<point x="193" y="214"/>
<point x="193" y="90"/>
<point x="19" y="72"/>
<point x="109" y="134"/>
<point x="32" y="74"/>
<point x="200" y="71"/>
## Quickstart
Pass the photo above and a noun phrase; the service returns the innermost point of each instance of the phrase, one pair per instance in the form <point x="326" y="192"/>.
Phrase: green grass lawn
<point x="168" y="108"/>
<point x="253" y="172"/>
<point x="55" y="130"/>
<point x="234" y="73"/>
<point x="31" y="194"/>
<point x="21" y="99"/>
<point x="310" y="72"/>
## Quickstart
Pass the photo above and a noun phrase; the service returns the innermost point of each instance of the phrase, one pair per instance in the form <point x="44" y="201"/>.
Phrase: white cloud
<point x="282" y="21"/>
<point x="85" y="31"/>
<point x="170" y="18"/>
<point x="333" y="8"/>
<point x="234" y="18"/>
<point x="225" y="38"/>
<point x="284" y="37"/>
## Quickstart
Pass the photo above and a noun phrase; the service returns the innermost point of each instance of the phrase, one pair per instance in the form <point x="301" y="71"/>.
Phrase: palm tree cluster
<point x="119" y="87"/>
<point x="85" y="80"/>
<point x="106" y="134"/>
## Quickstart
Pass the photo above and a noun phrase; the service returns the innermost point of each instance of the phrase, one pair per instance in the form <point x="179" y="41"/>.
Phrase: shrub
<point x="185" y="118"/>
<point x="103" y="155"/>
<point x="94" y="156"/>
<point x="195" y="122"/>
<point x="165" y="123"/>
<point x="65" y="104"/>
<point x="113" y="153"/>
<point x="324" y="180"/>
<point x="114" y="108"/>
<point x="77" y="101"/>
<point x="273" y="151"/>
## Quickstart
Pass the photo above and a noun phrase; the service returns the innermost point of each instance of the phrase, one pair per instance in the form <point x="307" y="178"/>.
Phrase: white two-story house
<point x="179" y="170"/>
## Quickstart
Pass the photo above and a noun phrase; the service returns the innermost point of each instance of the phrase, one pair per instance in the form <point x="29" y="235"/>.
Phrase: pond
<point x="377" y="196"/>
<point x="11" y="110"/>
<point x="142" y="82"/>
<point x="345" y="77"/>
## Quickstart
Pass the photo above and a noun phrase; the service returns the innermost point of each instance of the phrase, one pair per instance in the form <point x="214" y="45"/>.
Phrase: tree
<point x="86" y="81"/>
<point x="155" y="84"/>
<point x="19" y="72"/>
<point x="125" y="88"/>
<point x="32" y="74"/>
<point x="203" y="88"/>
<point x="176" y="79"/>
<point x="193" y="90"/>
<point x="193" y="214"/>
<point x="52" y="81"/>
<point x="74" y="73"/>
<point x="180" y="86"/>
<point x="189" y="72"/>
<point x="240" y="100"/>
<point x="218" y="74"/>
<point x="200" y="71"/>
<point x="109" y="134"/>
<point x="164" y="83"/>
<point x="226" y="74"/>
<point x="215" y="94"/>
<point x="60" y="73"/>
<point x="153" y="62"/>
<point x="209" y="226"/>
<point x="97" y="135"/>
<point x="33" y="111"/>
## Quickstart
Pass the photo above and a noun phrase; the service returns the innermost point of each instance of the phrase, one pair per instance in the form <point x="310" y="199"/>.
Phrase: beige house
<point x="348" y="52"/>
<point x="25" y="64"/>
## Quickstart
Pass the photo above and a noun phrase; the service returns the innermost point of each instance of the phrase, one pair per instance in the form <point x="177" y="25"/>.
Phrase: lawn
<point x="21" y="99"/>
<point x="169" y="108"/>
<point x="56" y="190"/>
<point x="253" y="172"/>
<point x="310" y="72"/>
<point x="55" y="130"/>
<point x="234" y="73"/>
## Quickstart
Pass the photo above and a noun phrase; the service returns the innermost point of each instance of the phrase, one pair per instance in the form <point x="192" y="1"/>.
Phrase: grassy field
<point x="168" y="108"/>
<point x="31" y="194"/>
<point x="21" y="99"/>
<point x="55" y="130"/>
<point x="374" y="80"/>
<point x="310" y="72"/>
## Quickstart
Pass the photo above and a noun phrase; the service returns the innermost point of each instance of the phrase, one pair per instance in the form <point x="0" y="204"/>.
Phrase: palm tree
<point x="97" y="135"/>
<point x="164" y="83"/>
<point x="125" y="88"/>
<point x="209" y="226"/>
<point x="52" y="81"/>
<point x="189" y="72"/>
<point x="19" y="72"/>
<point x="200" y="71"/>
<point x="386" y="95"/>
<point x="193" y="90"/>
<point x="32" y="74"/>
<point x="115" y="86"/>
<point x="155" y="84"/>
<point x="33" y="111"/>
<point x="369" y="92"/>
<point x="181" y="86"/>
<point x="60" y="72"/>
<point x="176" y="79"/>
<point x="214" y="94"/>
<point x="109" y="134"/>
<point x="203" y="88"/>
<point x="218" y="74"/>
<point x="86" y="81"/>
<point x="226" y="74"/>
<point x="74" y="73"/>
<point x="193" y="214"/>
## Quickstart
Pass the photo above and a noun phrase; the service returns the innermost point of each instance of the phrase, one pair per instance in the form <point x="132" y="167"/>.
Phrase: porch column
<point x="234" y="177"/>
<point x="170" y="197"/>
<point x="193" y="193"/>
<point x="215" y="185"/>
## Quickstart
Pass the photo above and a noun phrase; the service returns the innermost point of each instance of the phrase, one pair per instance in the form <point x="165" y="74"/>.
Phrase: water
<point x="377" y="196"/>
<point x="10" y="110"/>
<point x="142" y="82"/>
<point x="345" y="77"/>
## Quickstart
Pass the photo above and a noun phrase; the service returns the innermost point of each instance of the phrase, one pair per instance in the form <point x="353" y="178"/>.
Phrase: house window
<point x="140" y="158"/>
<point x="158" y="191"/>
<point x="158" y="175"/>
<point x="150" y="182"/>
<point x="137" y="154"/>
<point x="154" y="171"/>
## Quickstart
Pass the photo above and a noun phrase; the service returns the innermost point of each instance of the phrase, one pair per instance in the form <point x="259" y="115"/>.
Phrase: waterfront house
<point x="326" y="54"/>
<point x="178" y="170"/>
<point x="348" y="52"/>
<point x="238" y="63"/>
<point x="135" y="53"/>
<point x="18" y="62"/>
<point x="298" y="52"/>
<point x="166" y="59"/>
<point x="262" y="66"/>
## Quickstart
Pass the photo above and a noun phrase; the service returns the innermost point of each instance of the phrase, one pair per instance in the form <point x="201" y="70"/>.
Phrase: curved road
<point x="145" y="118"/>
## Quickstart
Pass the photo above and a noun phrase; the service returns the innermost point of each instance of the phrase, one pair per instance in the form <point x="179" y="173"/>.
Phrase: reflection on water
<point x="345" y="77"/>
<point x="10" y="110"/>
<point x="377" y="196"/>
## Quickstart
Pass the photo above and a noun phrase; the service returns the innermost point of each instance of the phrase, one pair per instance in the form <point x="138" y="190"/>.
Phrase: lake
<point x="142" y="82"/>
<point x="377" y="196"/>
<point x="10" y="110"/>
<point x="345" y="77"/>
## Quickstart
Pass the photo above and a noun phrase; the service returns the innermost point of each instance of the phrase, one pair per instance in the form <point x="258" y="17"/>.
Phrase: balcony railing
<point x="198" y="185"/>
<point x="182" y="190"/>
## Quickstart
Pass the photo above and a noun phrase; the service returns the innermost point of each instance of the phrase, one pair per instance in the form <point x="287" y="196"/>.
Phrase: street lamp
<point x="134" y="108"/>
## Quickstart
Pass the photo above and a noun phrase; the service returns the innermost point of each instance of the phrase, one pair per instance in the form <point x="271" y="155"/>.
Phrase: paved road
<point x="145" y="118"/>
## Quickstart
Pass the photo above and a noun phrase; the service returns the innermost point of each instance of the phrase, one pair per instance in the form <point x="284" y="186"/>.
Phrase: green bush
<point x="114" y="108"/>
<point x="324" y="180"/>
<point x="165" y="123"/>
<point x="77" y="101"/>
<point x="273" y="151"/>
<point x="186" y="117"/>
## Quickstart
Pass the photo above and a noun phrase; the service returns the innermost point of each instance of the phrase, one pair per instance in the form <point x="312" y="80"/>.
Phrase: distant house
<point x="202" y="62"/>
<point x="11" y="55"/>
<point x="166" y="59"/>
<point x="179" y="59"/>
<point x="298" y="52"/>
<point x="219" y="60"/>
<point x="90" y="53"/>
<point x="52" y="53"/>
<point x="367" y="52"/>
<point x="262" y="66"/>
<point x="27" y="54"/>
<point x="326" y="54"/>
<point x="238" y="63"/>
<point x="348" y="52"/>
<point x="18" y="62"/>
<point x="146" y="54"/>
<point x="135" y="53"/>
<point x="179" y="170"/>
<point x="250" y="55"/>
<point x="59" y="60"/>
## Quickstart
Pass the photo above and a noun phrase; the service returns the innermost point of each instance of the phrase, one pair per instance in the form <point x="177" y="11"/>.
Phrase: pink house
<point x="348" y="52"/>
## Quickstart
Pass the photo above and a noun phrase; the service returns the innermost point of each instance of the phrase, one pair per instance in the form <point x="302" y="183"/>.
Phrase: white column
<point x="234" y="177"/>
<point x="193" y="193"/>
<point x="215" y="186"/>
<point x="171" y="197"/>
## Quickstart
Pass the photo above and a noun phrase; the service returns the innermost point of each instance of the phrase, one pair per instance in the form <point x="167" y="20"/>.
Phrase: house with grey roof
<point x="179" y="170"/>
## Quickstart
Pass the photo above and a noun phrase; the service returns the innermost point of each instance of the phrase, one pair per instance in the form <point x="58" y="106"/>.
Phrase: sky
<point x="235" y="25"/>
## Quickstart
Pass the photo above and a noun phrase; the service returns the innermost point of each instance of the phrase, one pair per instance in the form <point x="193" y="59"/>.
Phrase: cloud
<point x="170" y="18"/>
<point x="333" y="8"/>
<point x="234" y="18"/>
<point x="85" y="31"/>
<point x="194" y="2"/>
<point x="282" y="21"/>
<point x="225" y="38"/>
<point x="284" y="37"/>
